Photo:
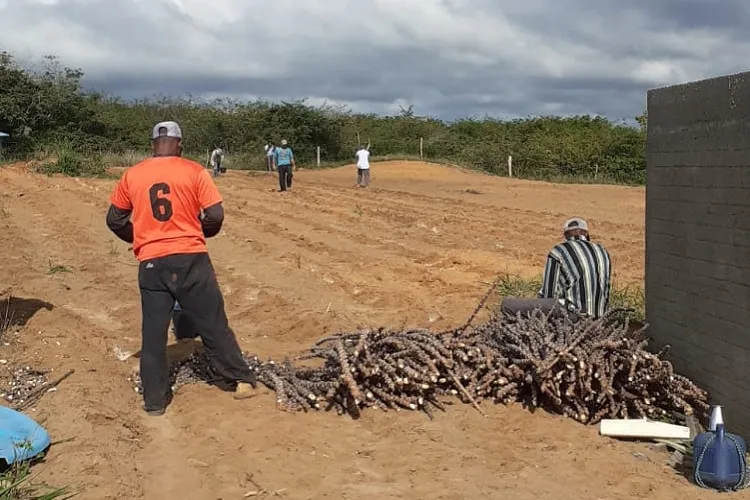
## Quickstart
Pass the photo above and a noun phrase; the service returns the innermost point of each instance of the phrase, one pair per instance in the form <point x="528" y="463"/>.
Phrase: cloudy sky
<point x="448" y="58"/>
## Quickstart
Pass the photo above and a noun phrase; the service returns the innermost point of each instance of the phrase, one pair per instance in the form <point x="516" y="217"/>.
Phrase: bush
<point x="73" y="164"/>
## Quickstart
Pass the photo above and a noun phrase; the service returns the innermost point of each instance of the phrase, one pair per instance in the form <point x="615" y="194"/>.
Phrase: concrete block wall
<point x="698" y="235"/>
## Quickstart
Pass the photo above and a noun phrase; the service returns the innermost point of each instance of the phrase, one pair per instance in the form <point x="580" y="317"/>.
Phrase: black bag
<point x="183" y="327"/>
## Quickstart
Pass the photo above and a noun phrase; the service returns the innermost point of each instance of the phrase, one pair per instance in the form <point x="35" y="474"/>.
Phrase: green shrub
<point x="70" y="163"/>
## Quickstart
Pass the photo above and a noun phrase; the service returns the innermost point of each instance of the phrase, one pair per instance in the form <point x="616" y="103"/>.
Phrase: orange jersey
<point x="166" y="195"/>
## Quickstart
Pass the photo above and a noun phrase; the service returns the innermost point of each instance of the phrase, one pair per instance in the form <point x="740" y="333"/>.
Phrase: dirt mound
<point x="415" y="249"/>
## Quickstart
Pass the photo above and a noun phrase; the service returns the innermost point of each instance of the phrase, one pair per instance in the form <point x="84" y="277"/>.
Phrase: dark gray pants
<point x="363" y="177"/>
<point x="285" y="177"/>
<point x="511" y="306"/>
<point x="189" y="279"/>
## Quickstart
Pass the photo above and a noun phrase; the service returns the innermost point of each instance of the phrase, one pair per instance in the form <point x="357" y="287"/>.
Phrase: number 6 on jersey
<point x="161" y="207"/>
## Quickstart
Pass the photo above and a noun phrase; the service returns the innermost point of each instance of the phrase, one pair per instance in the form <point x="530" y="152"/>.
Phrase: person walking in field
<point x="270" y="150"/>
<point x="167" y="206"/>
<point x="217" y="157"/>
<point x="363" y="166"/>
<point x="577" y="277"/>
<point x="283" y="160"/>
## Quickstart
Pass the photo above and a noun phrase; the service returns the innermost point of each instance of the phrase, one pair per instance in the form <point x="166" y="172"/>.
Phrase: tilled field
<point x="417" y="250"/>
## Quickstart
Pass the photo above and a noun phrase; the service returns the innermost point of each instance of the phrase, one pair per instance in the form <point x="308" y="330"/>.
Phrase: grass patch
<point x="123" y="160"/>
<point x="16" y="483"/>
<point x="600" y="180"/>
<point x="58" y="268"/>
<point x="626" y="297"/>
<point x="68" y="162"/>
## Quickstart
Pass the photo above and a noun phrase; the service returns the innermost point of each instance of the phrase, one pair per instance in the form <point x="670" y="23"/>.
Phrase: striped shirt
<point x="578" y="272"/>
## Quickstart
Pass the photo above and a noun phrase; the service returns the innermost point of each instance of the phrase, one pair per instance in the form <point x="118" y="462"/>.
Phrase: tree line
<point x="46" y="109"/>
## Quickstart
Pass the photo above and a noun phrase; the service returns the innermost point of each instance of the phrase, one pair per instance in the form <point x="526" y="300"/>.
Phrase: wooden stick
<point x="465" y="392"/>
<point x="35" y="395"/>
<point x="493" y="287"/>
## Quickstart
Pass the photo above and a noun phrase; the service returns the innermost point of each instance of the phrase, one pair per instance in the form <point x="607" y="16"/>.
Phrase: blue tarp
<point x="20" y="437"/>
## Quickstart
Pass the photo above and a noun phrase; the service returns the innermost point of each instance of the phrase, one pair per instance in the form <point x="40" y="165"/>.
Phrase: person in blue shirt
<point x="283" y="160"/>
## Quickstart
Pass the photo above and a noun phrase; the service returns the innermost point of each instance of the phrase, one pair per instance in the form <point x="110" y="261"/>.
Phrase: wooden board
<point x="642" y="428"/>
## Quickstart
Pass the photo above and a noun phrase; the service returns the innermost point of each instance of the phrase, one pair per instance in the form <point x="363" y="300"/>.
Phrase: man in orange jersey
<point x="167" y="206"/>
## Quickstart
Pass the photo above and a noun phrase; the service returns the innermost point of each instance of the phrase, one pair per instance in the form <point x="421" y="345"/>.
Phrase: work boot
<point x="152" y="411"/>
<point x="244" y="390"/>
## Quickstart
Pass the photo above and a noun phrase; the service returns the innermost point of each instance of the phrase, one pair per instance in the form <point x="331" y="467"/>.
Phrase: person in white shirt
<point x="217" y="157"/>
<point x="270" y="149"/>
<point x="363" y="166"/>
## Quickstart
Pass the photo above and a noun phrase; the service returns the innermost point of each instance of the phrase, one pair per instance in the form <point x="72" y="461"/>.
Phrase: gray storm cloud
<point x="449" y="58"/>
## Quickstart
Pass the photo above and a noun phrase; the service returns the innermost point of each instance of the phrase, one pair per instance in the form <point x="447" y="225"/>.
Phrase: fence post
<point x="510" y="166"/>
<point x="596" y="170"/>
<point x="421" y="147"/>
<point x="317" y="157"/>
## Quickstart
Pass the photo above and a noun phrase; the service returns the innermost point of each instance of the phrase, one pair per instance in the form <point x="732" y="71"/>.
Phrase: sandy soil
<point x="414" y="249"/>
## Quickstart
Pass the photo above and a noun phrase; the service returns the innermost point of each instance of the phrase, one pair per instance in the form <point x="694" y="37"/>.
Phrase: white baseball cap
<point x="166" y="129"/>
<point x="283" y="142"/>
<point x="575" y="223"/>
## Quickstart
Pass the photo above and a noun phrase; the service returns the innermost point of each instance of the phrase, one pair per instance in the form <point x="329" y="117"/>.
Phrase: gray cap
<point x="166" y="129"/>
<point x="575" y="223"/>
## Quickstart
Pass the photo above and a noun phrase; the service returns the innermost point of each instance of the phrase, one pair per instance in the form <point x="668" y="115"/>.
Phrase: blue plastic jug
<point x="719" y="460"/>
<point x="20" y="437"/>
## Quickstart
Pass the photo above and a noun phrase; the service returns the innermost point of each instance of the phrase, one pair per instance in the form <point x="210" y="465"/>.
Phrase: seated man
<point x="577" y="277"/>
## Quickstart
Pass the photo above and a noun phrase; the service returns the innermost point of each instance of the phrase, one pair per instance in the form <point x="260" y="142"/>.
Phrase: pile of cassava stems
<point x="583" y="368"/>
